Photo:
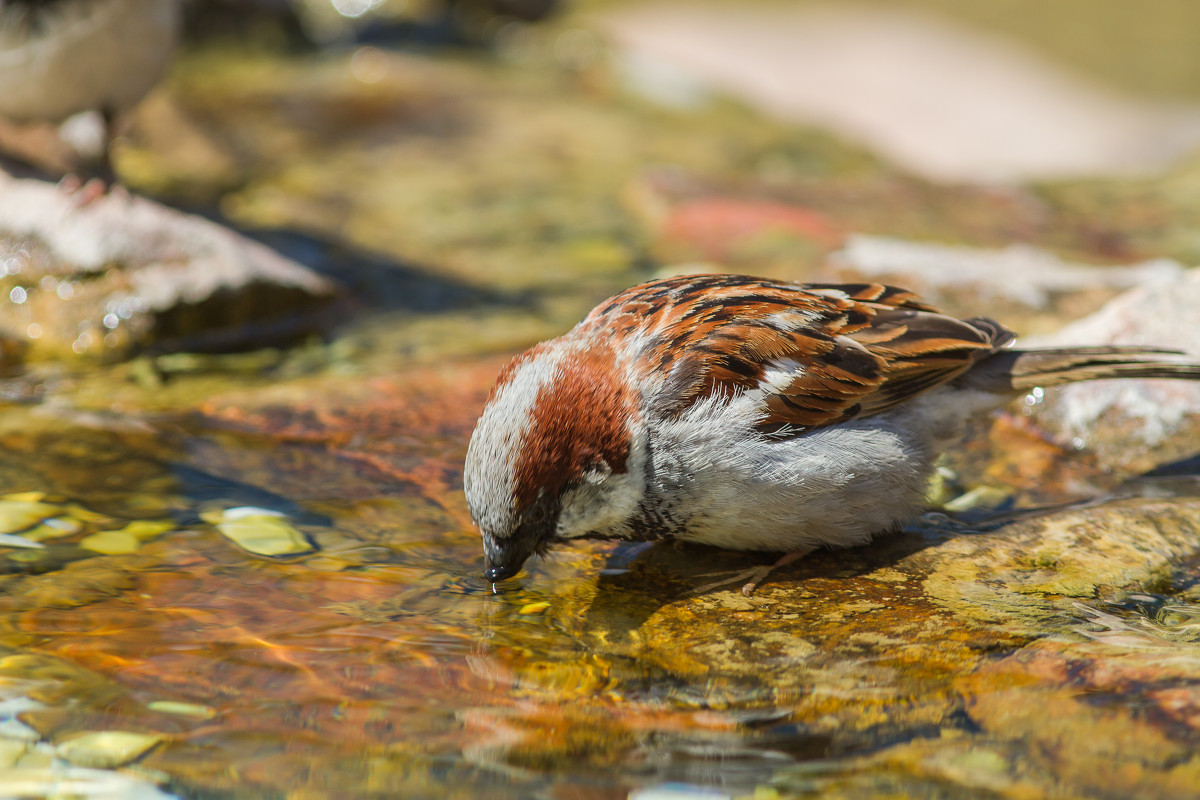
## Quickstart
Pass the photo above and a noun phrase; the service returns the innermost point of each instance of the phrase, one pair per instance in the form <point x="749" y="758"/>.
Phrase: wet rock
<point x="395" y="21"/>
<point x="863" y="643"/>
<point x="678" y="791"/>
<point x="961" y="766"/>
<point x="407" y="436"/>
<point x="1015" y="578"/>
<point x="1133" y="424"/>
<point x="124" y="274"/>
<point x="11" y="751"/>
<point x="1045" y="695"/>
<point x="842" y="641"/>
<point x="1026" y="287"/>
<point x="32" y="522"/>
<point x="124" y="540"/>
<point x="78" y="584"/>
<point x="53" y="528"/>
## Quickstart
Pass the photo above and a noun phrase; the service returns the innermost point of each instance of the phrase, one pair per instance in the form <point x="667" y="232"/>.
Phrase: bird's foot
<point x="753" y="575"/>
<point x="86" y="193"/>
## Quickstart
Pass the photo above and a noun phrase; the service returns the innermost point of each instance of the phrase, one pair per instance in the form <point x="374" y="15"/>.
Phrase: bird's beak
<point x="504" y="557"/>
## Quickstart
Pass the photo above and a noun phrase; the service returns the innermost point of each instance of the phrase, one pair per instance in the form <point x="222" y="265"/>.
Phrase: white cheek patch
<point x="605" y="505"/>
<point x="598" y="507"/>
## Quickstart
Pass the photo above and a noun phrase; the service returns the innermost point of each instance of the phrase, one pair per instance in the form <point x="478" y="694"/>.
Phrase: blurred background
<point x="430" y="156"/>
<point x="261" y="260"/>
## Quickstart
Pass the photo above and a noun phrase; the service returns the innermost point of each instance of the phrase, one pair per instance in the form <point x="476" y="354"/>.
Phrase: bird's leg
<point x="756" y="575"/>
<point x="104" y="169"/>
<point x="104" y="177"/>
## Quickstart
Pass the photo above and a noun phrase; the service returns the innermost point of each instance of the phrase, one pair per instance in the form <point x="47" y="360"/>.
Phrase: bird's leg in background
<point x="756" y="575"/>
<point x="103" y="177"/>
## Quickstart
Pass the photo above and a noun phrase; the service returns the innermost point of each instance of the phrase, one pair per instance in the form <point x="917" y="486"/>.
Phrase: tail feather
<point x="1023" y="370"/>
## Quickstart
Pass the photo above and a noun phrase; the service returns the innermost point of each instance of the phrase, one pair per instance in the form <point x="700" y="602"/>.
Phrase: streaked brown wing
<point x="821" y="353"/>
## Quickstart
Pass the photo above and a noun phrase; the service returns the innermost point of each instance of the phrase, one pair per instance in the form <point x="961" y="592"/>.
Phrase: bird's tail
<point x="1022" y="370"/>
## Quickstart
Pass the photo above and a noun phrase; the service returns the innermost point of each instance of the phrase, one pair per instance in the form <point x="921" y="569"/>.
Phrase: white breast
<point x="835" y="486"/>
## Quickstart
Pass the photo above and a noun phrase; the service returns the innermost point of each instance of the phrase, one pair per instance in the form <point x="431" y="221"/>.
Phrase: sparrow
<point x="748" y="414"/>
<point x="61" y="57"/>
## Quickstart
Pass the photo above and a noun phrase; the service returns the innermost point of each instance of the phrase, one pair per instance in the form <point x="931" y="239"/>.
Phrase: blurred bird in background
<point x="59" y="58"/>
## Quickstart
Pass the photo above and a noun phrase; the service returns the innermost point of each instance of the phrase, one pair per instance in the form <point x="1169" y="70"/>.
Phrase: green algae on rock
<point x="1010" y="577"/>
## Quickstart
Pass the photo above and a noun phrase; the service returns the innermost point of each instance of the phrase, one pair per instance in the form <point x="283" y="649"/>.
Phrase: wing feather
<point x="819" y="353"/>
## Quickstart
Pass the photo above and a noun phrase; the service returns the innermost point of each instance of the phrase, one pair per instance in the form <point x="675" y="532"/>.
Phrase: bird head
<point x="554" y="455"/>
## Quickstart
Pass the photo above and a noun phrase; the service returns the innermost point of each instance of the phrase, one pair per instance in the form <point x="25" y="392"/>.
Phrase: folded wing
<point x="818" y="353"/>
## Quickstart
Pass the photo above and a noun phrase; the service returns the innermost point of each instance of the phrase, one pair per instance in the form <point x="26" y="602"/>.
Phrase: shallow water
<point x="474" y="204"/>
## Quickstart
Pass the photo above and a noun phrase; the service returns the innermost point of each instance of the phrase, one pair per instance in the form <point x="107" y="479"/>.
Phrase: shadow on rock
<point x="377" y="281"/>
<point x="639" y="580"/>
<point x="1179" y="478"/>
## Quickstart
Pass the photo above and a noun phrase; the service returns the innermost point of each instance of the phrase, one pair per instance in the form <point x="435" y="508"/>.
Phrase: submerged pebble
<point x="24" y="497"/>
<point x="260" y="531"/>
<point x="17" y="515"/>
<point x="12" y="540"/>
<point x="11" y="727"/>
<point x="27" y="556"/>
<point x="106" y="748"/>
<point x="127" y="539"/>
<point x="182" y="709"/>
<point x="53" y="528"/>
<point x="87" y="515"/>
<point x="111" y="543"/>
<point x="144" y="529"/>
<point x="678" y="791"/>
<point x="36" y="756"/>
<point x="11" y="751"/>
<point x="58" y="781"/>
<point x="981" y="497"/>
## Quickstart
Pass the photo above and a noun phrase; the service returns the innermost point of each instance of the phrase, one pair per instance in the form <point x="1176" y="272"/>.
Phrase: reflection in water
<point x="382" y="657"/>
<point x="1144" y="620"/>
